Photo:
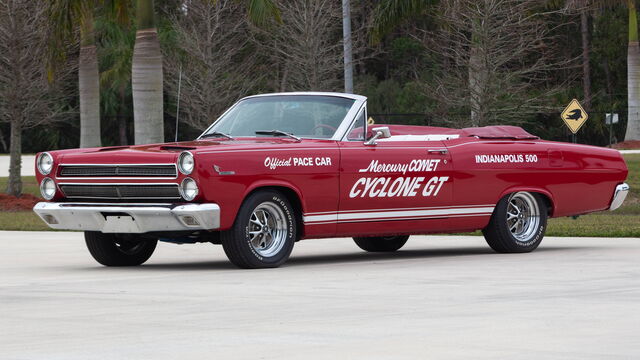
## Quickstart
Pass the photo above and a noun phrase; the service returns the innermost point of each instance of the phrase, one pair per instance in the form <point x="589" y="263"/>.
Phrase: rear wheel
<point x="518" y="223"/>
<point x="264" y="231"/>
<point x="381" y="243"/>
<point x="119" y="249"/>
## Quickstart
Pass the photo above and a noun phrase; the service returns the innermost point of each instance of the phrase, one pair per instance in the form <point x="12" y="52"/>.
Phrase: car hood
<point x="167" y="152"/>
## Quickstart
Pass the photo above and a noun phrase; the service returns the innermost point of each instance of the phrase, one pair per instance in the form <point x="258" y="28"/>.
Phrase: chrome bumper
<point x="129" y="218"/>
<point x="619" y="195"/>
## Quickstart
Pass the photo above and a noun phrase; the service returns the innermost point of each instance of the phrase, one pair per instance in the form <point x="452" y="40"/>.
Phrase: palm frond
<point x="390" y="13"/>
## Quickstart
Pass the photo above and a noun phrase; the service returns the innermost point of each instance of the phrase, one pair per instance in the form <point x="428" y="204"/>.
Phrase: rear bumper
<point x="129" y="218"/>
<point x="619" y="195"/>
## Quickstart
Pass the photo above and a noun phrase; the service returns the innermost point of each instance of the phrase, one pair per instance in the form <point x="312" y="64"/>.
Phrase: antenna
<point x="178" y="102"/>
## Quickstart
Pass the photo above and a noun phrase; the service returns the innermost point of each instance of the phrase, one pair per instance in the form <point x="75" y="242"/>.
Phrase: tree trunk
<point x="477" y="85"/>
<point x="14" y="186"/>
<point x="147" y="79"/>
<point x="2" y="142"/>
<point x="122" y="120"/>
<point x="89" y="86"/>
<point x="633" y="77"/>
<point x="348" y="47"/>
<point x="586" y="68"/>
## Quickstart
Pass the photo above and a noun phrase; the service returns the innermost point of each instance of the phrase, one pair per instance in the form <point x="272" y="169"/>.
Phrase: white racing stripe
<point x="396" y="214"/>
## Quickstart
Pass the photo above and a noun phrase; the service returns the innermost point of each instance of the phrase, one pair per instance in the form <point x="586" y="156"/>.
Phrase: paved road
<point x="27" y="165"/>
<point x="438" y="298"/>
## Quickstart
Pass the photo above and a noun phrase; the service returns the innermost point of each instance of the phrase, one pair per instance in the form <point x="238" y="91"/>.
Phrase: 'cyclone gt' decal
<point x="408" y="186"/>
<point x="400" y="187"/>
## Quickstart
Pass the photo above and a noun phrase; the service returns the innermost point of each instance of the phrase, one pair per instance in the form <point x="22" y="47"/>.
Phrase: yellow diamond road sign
<point x="574" y="116"/>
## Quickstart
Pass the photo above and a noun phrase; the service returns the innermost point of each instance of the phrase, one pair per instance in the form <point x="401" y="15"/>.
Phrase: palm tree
<point x="633" y="76"/>
<point x="67" y="16"/>
<point x="147" y="78"/>
<point x="391" y="13"/>
<point x="348" y="49"/>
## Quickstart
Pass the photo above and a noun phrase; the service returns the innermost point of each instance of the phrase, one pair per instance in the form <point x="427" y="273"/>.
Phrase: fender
<point x="542" y="191"/>
<point x="279" y="183"/>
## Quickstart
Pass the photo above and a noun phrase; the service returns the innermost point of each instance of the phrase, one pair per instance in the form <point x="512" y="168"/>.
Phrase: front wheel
<point x="518" y="223"/>
<point x="381" y="243"/>
<point x="264" y="232"/>
<point x="119" y="249"/>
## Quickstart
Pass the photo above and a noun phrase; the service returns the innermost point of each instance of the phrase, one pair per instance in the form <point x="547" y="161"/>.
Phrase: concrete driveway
<point x="438" y="298"/>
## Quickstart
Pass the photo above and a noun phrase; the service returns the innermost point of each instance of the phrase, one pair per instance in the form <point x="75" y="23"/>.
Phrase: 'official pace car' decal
<point x="403" y="186"/>
<point x="274" y="162"/>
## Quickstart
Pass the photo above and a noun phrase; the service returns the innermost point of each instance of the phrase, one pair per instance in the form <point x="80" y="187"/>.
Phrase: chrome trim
<point x="53" y="163"/>
<point x="178" y="165"/>
<point x="359" y="101"/>
<point x="146" y="217"/>
<point x="381" y="132"/>
<point x="619" y="195"/>
<point x="363" y="109"/>
<point x="54" y="185"/>
<point x="181" y="189"/>
<point x="118" y="177"/>
<point x="118" y="184"/>
<point x="312" y="93"/>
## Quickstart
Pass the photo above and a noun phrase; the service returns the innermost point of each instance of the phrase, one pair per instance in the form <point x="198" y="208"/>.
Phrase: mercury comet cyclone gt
<point x="278" y="168"/>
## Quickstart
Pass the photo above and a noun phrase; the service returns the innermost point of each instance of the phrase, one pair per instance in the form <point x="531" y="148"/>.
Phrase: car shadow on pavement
<point x="402" y="255"/>
<point x="354" y="257"/>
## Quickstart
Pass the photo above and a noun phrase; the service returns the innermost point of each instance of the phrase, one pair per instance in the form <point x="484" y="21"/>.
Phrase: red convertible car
<point x="278" y="168"/>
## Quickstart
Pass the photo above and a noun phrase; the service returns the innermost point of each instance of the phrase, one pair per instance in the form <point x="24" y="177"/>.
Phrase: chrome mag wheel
<point x="523" y="216"/>
<point x="267" y="229"/>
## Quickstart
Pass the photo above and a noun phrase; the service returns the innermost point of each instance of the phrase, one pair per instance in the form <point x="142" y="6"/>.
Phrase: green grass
<point x="624" y="222"/>
<point x="633" y="163"/>
<point x="29" y="185"/>
<point x="22" y="221"/>
<point x="597" y="225"/>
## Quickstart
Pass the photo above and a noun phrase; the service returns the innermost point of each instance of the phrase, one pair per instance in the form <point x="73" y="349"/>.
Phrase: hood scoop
<point x="113" y="148"/>
<point x="176" y="147"/>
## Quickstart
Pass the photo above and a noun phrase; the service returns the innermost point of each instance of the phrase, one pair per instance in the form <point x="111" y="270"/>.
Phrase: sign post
<point x="611" y="119"/>
<point x="574" y="116"/>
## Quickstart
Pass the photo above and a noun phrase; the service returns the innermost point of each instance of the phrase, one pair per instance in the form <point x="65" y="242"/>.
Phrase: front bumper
<point x="619" y="195"/>
<point x="129" y="218"/>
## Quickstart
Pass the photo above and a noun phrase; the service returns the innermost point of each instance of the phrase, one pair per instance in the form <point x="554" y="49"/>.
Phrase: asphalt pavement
<point x="440" y="297"/>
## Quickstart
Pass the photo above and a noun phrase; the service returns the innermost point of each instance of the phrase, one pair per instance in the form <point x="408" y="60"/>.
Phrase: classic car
<point x="278" y="168"/>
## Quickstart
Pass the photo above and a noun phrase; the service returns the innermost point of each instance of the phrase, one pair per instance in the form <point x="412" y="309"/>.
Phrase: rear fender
<point x="544" y="192"/>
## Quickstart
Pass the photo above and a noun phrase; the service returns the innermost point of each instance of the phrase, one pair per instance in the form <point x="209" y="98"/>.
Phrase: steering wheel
<point x="323" y="126"/>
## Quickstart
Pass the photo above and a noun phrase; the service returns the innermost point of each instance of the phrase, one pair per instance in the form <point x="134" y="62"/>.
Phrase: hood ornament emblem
<point x="220" y="172"/>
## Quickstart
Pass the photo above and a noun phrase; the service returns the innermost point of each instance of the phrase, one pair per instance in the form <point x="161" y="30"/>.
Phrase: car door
<point x="400" y="185"/>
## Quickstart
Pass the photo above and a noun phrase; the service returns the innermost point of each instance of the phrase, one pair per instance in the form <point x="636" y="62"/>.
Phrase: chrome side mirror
<point x="379" y="133"/>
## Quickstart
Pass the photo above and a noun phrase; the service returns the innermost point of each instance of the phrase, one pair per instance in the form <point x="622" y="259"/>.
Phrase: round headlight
<point x="48" y="188"/>
<point x="189" y="189"/>
<point x="44" y="163"/>
<point x="186" y="162"/>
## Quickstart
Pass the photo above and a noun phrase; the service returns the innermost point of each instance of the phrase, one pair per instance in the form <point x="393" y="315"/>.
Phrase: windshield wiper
<point x="277" y="132"/>
<point x="217" y="133"/>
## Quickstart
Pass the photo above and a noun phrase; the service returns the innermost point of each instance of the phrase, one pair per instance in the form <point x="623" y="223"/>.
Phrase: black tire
<point x="119" y="249"/>
<point x="499" y="234"/>
<point x="270" y="247"/>
<point x="381" y="243"/>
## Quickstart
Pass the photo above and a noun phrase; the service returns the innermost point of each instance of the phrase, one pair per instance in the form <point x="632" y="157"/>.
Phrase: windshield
<point x="301" y="115"/>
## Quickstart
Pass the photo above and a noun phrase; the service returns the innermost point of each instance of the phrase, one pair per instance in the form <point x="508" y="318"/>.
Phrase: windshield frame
<point x="345" y="124"/>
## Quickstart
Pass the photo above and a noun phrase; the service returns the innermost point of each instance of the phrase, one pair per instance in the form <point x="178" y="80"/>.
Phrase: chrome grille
<point x="118" y="171"/>
<point x="120" y="191"/>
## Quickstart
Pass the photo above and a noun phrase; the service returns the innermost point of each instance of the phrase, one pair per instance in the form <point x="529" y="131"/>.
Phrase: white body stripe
<point x="396" y="214"/>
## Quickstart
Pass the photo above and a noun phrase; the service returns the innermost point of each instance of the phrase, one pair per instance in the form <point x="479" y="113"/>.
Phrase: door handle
<point x="438" y="151"/>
